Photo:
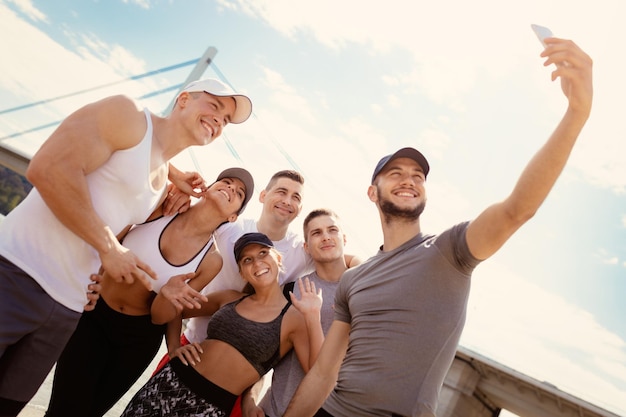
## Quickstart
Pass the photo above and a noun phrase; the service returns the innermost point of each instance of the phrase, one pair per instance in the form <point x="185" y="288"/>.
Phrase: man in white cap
<point x="104" y="168"/>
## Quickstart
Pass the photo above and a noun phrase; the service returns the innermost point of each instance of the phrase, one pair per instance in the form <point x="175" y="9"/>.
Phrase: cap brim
<point x="243" y="104"/>
<point x="248" y="239"/>
<point x="415" y="155"/>
<point x="410" y="153"/>
<point x="243" y="109"/>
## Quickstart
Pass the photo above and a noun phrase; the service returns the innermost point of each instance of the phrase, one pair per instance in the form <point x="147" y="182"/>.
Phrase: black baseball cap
<point x="248" y="239"/>
<point x="245" y="177"/>
<point x="411" y="153"/>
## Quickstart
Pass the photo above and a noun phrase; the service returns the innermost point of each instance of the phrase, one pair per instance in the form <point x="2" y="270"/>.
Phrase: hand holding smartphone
<point x="542" y="32"/>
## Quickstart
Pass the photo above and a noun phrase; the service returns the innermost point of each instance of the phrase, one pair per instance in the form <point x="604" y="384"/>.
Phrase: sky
<point x="336" y="85"/>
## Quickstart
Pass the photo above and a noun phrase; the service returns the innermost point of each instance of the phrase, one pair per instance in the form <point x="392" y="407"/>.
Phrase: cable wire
<point x="131" y="78"/>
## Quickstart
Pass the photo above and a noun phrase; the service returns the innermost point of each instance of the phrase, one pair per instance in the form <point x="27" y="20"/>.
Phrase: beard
<point x="392" y="212"/>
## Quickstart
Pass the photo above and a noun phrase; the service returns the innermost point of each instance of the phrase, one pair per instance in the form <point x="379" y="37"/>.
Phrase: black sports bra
<point x="258" y="342"/>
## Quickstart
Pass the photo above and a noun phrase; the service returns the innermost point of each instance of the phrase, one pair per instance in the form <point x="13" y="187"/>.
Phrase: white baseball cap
<point x="243" y="105"/>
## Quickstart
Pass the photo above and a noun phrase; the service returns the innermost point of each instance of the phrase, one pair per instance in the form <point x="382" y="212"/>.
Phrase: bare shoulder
<point x="120" y="120"/>
<point x="114" y="122"/>
<point x="87" y="137"/>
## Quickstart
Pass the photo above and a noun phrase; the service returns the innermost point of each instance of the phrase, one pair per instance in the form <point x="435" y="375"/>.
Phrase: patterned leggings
<point x="179" y="391"/>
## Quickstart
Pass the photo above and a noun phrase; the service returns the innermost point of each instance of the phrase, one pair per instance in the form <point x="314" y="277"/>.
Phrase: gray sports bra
<point x="258" y="342"/>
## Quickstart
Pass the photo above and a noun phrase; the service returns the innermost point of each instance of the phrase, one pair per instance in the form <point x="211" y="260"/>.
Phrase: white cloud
<point x="538" y="333"/>
<point x="144" y="4"/>
<point x="606" y="256"/>
<point x="451" y="54"/>
<point x="95" y="64"/>
<point x="286" y="98"/>
<point x="27" y="7"/>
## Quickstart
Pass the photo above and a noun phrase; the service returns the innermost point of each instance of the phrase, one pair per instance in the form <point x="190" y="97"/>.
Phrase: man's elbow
<point x="159" y="319"/>
<point x="36" y="174"/>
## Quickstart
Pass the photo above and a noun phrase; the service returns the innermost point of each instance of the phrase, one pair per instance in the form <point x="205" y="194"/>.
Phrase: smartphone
<point x="542" y="32"/>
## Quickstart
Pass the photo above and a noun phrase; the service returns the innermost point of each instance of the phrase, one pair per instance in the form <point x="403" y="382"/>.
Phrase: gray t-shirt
<point x="406" y="309"/>
<point x="288" y="373"/>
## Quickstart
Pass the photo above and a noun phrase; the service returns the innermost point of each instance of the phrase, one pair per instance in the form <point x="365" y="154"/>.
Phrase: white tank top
<point x="37" y="242"/>
<point x="145" y="241"/>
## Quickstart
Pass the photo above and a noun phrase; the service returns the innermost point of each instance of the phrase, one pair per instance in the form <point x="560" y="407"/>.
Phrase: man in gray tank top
<point x="399" y="315"/>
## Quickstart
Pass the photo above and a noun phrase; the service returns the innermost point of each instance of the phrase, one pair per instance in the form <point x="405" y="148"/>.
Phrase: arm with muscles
<point x="84" y="141"/>
<point x="493" y="227"/>
<point x="95" y="288"/>
<point x="322" y="377"/>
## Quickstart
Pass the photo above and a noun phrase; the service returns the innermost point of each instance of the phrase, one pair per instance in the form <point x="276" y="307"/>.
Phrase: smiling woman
<point x="246" y="336"/>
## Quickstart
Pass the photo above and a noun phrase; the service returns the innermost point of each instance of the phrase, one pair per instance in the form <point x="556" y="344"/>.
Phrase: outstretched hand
<point x="574" y="68"/>
<point x="178" y="292"/>
<point x="310" y="300"/>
